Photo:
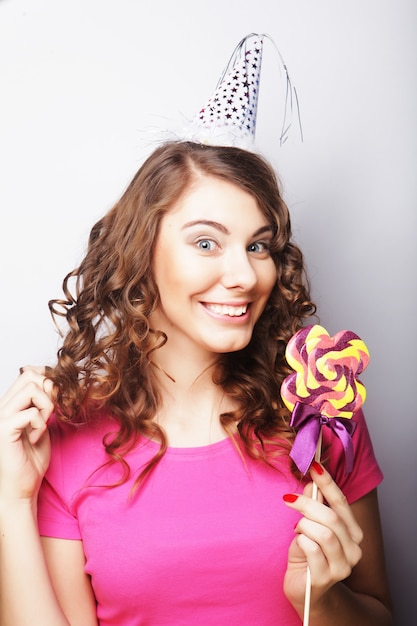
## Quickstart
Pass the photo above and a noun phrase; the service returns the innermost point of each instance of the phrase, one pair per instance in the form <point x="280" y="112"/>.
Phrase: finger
<point x="40" y="369"/>
<point x="308" y="491"/>
<point x="316" y="561"/>
<point x="325" y="569"/>
<point x="44" y="372"/>
<point x="336" y="500"/>
<point x="333" y="528"/>
<point x="323" y="525"/>
<point x="334" y="541"/>
<point x="21" y="397"/>
<point x="31" y="424"/>
<point x="34" y="372"/>
<point x="328" y="526"/>
<point x="29" y="376"/>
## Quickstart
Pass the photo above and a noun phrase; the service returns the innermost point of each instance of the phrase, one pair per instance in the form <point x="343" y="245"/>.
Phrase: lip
<point x="235" y="312"/>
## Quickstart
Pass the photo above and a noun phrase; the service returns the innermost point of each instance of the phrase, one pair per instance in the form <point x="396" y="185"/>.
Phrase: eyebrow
<point x="223" y="229"/>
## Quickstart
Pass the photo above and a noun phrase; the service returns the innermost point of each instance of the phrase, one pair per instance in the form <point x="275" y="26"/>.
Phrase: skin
<point x="338" y="542"/>
<point x="24" y="457"/>
<point x="213" y="270"/>
<point x="211" y="251"/>
<point x="214" y="275"/>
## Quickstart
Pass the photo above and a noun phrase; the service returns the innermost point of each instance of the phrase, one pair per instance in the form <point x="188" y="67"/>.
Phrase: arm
<point x="26" y="593"/>
<point x="369" y="576"/>
<point x="27" y="596"/>
<point x="65" y="559"/>
<point x="343" y="548"/>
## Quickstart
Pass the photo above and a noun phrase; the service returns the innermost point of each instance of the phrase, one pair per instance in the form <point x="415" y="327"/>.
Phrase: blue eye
<point x="206" y="245"/>
<point x="259" y="246"/>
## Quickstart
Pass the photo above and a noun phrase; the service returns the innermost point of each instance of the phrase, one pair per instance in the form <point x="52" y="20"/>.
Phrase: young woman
<point x="146" y="478"/>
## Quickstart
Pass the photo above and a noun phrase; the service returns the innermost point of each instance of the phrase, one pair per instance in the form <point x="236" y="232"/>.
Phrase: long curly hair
<point x="104" y="359"/>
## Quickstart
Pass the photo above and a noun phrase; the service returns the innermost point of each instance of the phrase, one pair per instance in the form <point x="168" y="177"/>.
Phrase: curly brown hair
<point x="104" y="358"/>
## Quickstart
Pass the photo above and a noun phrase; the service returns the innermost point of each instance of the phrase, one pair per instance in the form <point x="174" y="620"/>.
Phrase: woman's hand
<point x="327" y="540"/>
<point x="24" y="440"/>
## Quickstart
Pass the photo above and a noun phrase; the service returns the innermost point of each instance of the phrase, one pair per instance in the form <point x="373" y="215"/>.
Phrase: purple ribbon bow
<point x="308" y="422"/>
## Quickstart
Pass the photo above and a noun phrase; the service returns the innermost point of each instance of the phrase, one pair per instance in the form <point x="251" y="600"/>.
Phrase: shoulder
<point x="77" y="450"/>
<point x="68" y="433"/>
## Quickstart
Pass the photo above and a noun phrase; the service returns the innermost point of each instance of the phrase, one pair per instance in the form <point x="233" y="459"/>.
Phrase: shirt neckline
<point x="191" y="450"/>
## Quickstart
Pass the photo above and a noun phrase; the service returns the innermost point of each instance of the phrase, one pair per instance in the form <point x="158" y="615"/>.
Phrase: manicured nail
<point x="289" y="497"/>
<point x="317" y="468"/>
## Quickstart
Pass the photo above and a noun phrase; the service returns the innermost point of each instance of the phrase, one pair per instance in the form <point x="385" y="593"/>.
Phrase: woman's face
<point x="213" y="269"/>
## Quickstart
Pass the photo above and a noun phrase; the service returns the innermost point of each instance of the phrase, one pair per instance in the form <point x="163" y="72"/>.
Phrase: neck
<point x="191" y="403"/>
<point x="185" y="374"/>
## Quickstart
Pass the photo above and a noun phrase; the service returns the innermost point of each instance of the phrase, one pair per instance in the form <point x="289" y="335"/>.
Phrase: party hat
<point x="229" y="116"/>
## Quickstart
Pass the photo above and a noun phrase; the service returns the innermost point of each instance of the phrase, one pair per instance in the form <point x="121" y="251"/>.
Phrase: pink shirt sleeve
<point x="54" y="516"/>
<point x="366" y="473"/>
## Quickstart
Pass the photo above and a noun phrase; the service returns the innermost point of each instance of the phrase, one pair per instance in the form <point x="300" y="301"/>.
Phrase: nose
<point x="238" y="271"/>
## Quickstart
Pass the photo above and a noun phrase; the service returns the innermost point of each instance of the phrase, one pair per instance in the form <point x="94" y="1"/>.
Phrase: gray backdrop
<point x="86" y="84"/>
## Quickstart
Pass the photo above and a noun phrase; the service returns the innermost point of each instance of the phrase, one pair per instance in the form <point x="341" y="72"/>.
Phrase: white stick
<point x="314" y="496"/>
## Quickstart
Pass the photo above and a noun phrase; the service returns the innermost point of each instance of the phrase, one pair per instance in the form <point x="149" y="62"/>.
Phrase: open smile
<point x="227" y="309"/>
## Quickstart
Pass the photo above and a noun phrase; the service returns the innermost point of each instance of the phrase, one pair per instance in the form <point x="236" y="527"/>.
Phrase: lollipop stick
<point x="314" y="496"/>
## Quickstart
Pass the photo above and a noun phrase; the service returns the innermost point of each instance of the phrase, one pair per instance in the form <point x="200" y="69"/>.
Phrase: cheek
<point x="177" y="275"/>
<point x="166" y="261"/>
<point x="269" y="277"/>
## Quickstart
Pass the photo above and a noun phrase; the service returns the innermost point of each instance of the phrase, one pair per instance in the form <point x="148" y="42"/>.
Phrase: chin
<point x="225" y="347"/>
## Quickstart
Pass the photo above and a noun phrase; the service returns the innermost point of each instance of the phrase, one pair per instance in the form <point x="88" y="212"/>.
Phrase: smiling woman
<point x="154" y="462"/>
<point x="217" y="232"/>
<point x="213" y="270"/>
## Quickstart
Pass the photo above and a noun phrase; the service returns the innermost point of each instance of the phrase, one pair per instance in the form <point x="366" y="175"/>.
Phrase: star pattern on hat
<point x="229" y="117"/>
<point x="235" y="100"/>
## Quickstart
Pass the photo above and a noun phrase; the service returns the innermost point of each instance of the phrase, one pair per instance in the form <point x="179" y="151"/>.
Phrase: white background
<point x="85" y="84"/>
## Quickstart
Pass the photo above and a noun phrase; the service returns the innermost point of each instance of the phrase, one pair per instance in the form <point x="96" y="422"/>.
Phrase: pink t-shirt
<point x="204" y="540"/>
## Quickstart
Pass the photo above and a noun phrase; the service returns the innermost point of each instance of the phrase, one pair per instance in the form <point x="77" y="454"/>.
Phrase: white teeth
<point x="224" y="309"/>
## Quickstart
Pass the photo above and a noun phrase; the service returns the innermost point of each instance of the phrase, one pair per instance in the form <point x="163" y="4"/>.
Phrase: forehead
<point x="213" y="198"/>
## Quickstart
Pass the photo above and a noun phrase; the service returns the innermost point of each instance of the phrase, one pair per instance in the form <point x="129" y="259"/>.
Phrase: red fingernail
<point x="317" y="468"/>
<point x="289" y="497"/>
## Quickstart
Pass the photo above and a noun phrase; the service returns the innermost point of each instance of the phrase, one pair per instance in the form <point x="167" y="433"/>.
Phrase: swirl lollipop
<point x="323" y="391"/>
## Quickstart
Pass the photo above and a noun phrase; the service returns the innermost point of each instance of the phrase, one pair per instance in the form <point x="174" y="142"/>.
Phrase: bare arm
<point x="343" y="547"/>
<point x="27" y="595"/>
<point x="65" y="559"/>
<point x="369" y="577"/>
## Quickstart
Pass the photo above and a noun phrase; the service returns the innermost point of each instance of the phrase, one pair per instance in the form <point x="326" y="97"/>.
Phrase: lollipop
<point x="323" y="391"/>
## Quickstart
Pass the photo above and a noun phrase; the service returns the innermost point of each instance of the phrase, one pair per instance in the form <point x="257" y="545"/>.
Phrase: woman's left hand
<point x="327" y="541"/>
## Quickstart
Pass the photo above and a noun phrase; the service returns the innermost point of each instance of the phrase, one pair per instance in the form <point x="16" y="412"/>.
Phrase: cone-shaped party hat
<point x="229" y="116"/>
